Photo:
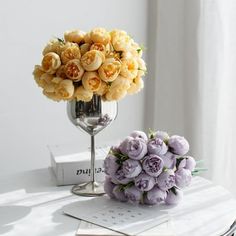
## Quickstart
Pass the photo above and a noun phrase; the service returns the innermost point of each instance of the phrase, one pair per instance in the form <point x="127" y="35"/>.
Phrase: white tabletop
<point x="31" y="204"/>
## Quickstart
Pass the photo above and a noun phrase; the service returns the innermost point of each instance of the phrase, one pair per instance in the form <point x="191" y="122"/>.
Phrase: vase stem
<point x="92" y="169"/>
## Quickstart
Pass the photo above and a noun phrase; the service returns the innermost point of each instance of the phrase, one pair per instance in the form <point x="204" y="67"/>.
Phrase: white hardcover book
<point x="74" y="168"/>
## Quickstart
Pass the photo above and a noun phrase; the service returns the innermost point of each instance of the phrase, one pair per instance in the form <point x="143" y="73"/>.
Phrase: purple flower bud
<point x="174" y="196"/>
<point x="153" y="165"/>
<point x="187" y="163"/>
<point x="157" y="146"/>
<point x="169" y="160"/>
<point x="119" y="177"/>
<point x="108" y="187"/>
<point x="110" y="165"/>
<point x="118" y="194"/>
<point x="162" y="135"/>
<point x="190" y="163"/>
<point x="155" y="196"/>
<point x="144" y="182"/>
<point x="131" y="168"/>
<point x="182" y="164"/>
<point x="133" y="194"/>
<point x="166" y="180"/>
<point x="178" y="145"/>
<point x="183" y="177"/>
<point x="123" y="145"/>
<point x="135" y="148"/>
<point x="139" y="134"/>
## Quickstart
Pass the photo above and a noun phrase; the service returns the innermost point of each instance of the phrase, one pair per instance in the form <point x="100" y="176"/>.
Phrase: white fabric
<point x="195" y="79"/>
<point x="217" y="38"/>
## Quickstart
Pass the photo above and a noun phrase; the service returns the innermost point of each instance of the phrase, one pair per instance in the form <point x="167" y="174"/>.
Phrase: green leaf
<point x="60" y="40"/>
<point x="151" y="133"/>
<point x="139" y="50"/>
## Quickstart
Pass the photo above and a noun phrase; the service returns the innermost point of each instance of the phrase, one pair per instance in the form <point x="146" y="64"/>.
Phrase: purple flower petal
<point x="144" y="182"/>
<point x="155" y="196"/>
<point x="183" y="177"/>
<point x="178" y="145"/>
<point x="118" y="194"/>
<point x="139" y="134"/>
<point x="153" y="165"/>
<point x="174" y="197"/>
<point x="166" y="180"/>
<point x="131" y="168"/>
<point x="108" y="187"/>
<point x="133" y="194"/>
<point x="157" y="146"/>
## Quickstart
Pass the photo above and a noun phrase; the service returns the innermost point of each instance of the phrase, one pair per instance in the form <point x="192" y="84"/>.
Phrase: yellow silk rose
<point x="84" y="48"/>
<point x="118" y="89"/>
<point x="70" y="53"/>
<point x="120" y="40"/>
<point x="61" y="72"/>
<point x="109" y="70"/>
<point x="100" y="35"/>
<point x="92" y="60"/>
<point x="87" y="38"/>
<point x="51" y="62"/>
<point x="81" y="94"/>
<point x="54" y="45"/>
<point x="91" y="81"/>
<point x="129" y="67"/>
<point x="50" y="82"/>
<point x="135" y="86"/>
<point x="74" y="70"/>
<point x="65" y="89"/>
<point x="37" y="73"/>
<point x="98" y="46"/>
<point x="74" y="36"/>
<point x="102" y="89"/>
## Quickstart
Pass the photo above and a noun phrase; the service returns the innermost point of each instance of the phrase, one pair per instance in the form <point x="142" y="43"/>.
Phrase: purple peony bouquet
<point x="149" y="170"/>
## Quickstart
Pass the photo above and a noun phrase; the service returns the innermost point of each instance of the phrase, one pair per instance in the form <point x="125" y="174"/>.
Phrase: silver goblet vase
<point x="92" y="117"/>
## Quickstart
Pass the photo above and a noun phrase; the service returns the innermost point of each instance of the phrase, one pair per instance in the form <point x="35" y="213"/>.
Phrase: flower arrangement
<point x="149" y="170"/>
<point x="99" y="62"/>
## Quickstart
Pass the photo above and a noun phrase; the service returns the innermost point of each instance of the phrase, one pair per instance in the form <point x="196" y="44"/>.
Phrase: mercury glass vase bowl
<point x="92" y="117"/>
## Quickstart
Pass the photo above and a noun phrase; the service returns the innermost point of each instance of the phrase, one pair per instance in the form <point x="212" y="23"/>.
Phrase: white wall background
<point x="28" y="120"/>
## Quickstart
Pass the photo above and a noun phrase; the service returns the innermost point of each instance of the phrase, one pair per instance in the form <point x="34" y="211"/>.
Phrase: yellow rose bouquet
<point x="108" y="64"/>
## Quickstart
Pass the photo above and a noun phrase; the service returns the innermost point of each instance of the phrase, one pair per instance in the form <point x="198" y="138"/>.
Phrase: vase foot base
<point x="90" y="189"/>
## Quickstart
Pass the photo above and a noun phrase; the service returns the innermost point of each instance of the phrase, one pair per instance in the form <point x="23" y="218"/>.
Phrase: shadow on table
<point x="32" y="181"/>
<point x="11" y="214"/>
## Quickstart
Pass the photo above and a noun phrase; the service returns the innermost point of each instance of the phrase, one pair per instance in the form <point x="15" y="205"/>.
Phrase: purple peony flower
<point x="166" y="180"/>
<point x="174" y="196"/>
<point x="131" y="168"/>
<point x="144" y="182"/>
<point x="187" y="163"/>
<point x="157" y="146"/>
<point x="178" y="145"/>
<point x="139" y="134"/>
<point x="119" y="177"/>
<point x="183" y="177"/>
<point x="190" y="163"/>
<point x="118" y="194"/>
<point x="162" y="135"/>
<point x="155" y="196"/>
<point x="133" y="194"/>
<point x="135" y="148"/>
<point x="153" y="165"/>
<point x="123" y="145"/>
<point x="110" y="165"/>
<point x="108" y="187"/>
<point x="169" y="160"/>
